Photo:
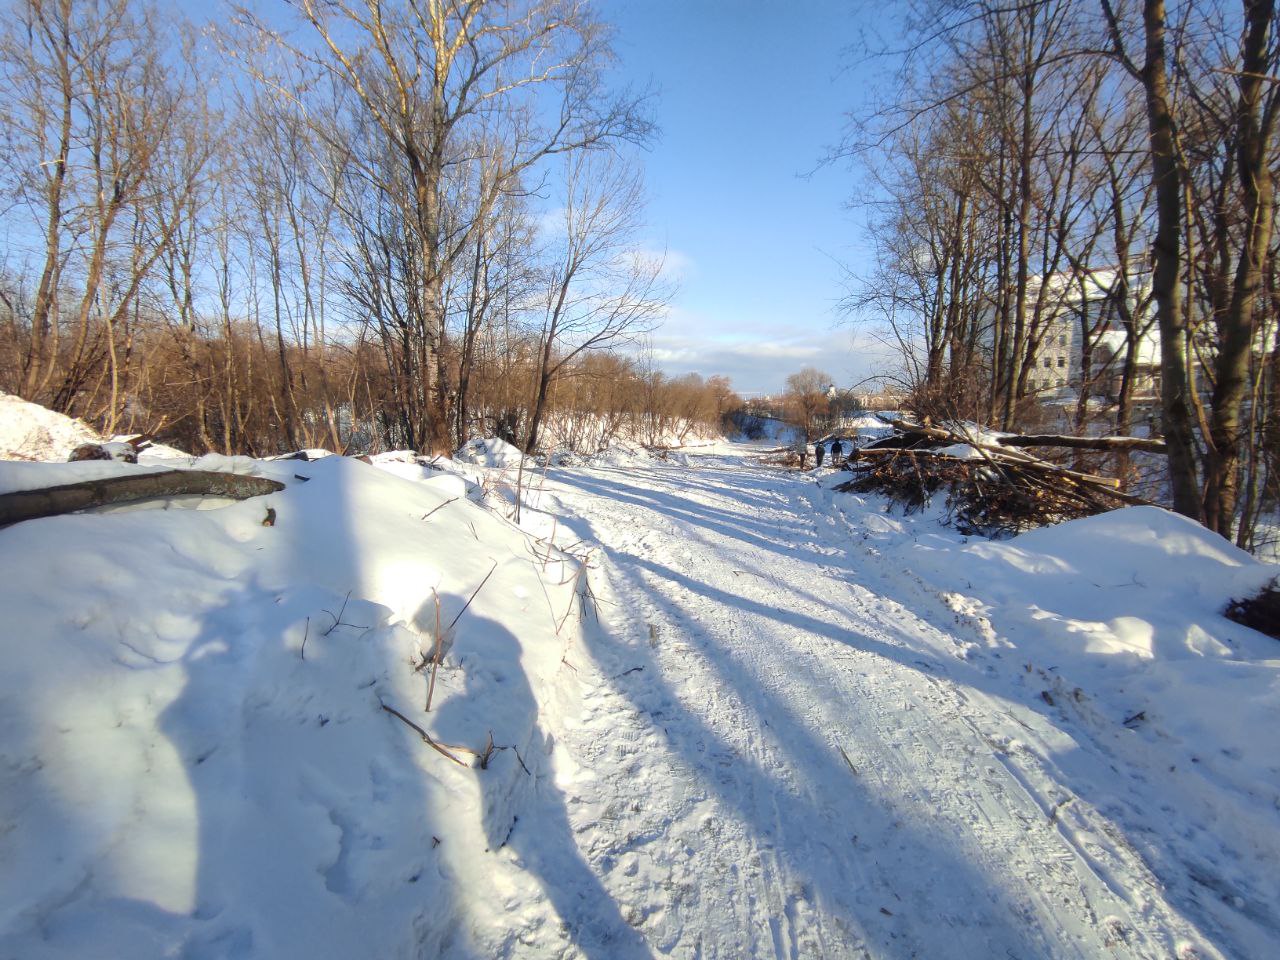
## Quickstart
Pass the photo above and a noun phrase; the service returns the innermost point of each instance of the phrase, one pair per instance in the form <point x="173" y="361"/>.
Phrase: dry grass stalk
<point x="426" y="737"/>
<point x="435" y="656"/>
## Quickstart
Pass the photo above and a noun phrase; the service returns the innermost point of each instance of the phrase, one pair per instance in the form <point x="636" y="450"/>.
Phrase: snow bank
<point x="197" y="760"/>
<point x="1114" y="624"/>
<point x="489" y="453"/>
<point x="1127" y="606"/>
<point x="30" y="432"/>
<point x="864" y="421"/>
<point x="622" y="453"/>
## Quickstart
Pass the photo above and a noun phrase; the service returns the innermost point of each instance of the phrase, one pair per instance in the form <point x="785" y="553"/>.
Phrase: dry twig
<point x="426" y="738"/>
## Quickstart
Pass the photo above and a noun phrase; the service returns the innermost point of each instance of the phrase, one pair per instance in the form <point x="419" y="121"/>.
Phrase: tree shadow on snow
<point x="875" y="853"/>
<point x="315" y="837"/>
<point x="523" y="810"/>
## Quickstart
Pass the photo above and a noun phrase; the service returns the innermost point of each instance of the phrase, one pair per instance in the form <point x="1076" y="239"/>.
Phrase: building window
<point x="1062" y="362"/>
<point x="1048" y="362"/>
<point x="1062" y="339"/>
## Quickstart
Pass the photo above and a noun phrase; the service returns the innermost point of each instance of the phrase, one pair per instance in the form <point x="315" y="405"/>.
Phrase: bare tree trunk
<point x="1254" y="122"/>
<point x="1166" y="176"/>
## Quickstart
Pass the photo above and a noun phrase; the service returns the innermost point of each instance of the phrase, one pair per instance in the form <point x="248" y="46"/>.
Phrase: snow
<point x="961" y="451"/>
<point x="489" y="453"/>
<point x="30" y="432"/>
<point x="622" y="453"/>
<point x="735" y="714"/>
<point x="767" y="628"/>
<point x="1127" y="606"/>
<point x="179" y="779"/>
<point x="153" y="450"/>
<point x="1116" y="623"/>
<point x="865" y="421"/>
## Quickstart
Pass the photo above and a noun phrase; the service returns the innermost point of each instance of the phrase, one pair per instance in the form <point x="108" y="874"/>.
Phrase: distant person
<point x="837" y="451"/>
<point x="818" y="452"/>
<point x="802" y="450"/>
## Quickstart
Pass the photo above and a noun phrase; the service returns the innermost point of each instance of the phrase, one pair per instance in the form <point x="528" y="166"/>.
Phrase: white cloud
<point x="761" y="364"/>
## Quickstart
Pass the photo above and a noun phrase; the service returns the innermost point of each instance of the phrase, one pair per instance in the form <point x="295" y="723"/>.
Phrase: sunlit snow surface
<point x="785" y="722"/>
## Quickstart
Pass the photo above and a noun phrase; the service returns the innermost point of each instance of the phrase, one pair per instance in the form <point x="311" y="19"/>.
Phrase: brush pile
<point x="992" y="488"/>
<point x="1260" y="611"/>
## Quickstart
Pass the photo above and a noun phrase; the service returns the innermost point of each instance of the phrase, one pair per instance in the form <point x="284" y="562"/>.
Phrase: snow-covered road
<point x="777" y="758"/>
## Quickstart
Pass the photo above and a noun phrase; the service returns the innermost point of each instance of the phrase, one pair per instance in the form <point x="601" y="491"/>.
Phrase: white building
<point x="1073" y="304"/>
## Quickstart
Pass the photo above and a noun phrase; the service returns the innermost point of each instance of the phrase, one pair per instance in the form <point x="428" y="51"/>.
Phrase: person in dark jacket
<point x="818" y="452"/>
<point x="837" y="451"/>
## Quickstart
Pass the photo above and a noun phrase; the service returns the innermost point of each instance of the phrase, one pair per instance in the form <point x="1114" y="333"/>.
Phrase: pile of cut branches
<point x="1260" y="611"/>
<point x="993" y="489"/>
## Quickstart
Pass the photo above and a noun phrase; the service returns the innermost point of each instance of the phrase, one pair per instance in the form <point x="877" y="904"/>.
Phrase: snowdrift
<point x="1128" y="608"/>
<point x="1114" y="625"/>
<point x="30" y="432"/>
<point x="490" y="453"/>
<point x="199" y="754"/>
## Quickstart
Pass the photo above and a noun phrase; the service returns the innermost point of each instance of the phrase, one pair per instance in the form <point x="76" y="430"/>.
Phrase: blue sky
<point x="750" y="96"/>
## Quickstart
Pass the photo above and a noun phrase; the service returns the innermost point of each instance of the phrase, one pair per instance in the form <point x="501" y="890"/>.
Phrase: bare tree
<point x="806" y="399"/>
<point x="601" y="289"/>
<point x="95" y="97"/>
<point x="1168" y="182"/>
<point x="474" y="91"/>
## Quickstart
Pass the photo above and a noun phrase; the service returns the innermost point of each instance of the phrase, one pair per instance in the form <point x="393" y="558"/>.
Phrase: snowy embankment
<point x="30" y="432"/>
<point x="199" y="757"/>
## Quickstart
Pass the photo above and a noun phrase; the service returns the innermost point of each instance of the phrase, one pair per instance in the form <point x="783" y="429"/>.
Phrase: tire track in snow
<point x="708" y="790"/>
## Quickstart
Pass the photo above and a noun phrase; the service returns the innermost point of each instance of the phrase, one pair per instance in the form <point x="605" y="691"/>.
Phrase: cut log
<point x="1086" y="443"/>
<point x="1033" y="440"/>
<point x="67" y="498"/>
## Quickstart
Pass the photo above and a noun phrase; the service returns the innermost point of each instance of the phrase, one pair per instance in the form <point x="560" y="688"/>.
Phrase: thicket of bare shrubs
<point x="224" y="394"/>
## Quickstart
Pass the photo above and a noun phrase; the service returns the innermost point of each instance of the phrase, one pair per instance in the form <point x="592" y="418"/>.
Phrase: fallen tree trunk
<point x="1086" y="443"/>
<point x="1002" y="454"/>
<point x="67" y="498"/>
<point x="1031" y="440"/>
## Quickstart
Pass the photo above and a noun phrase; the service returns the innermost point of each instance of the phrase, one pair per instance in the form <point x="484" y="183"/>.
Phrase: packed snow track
<point x="777" y="758"/>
